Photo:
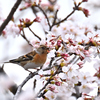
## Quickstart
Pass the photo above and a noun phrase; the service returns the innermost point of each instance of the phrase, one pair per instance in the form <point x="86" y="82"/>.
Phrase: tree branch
<point x="23" y="83"/>
<point x="44" y="14"/>
<point x="64" y="18"/>
<point x="39" y="94"/>
<point x="9" y="17"/>
<point x="54" y="21"/>
<point x="23" y="35"/>
<point x="34" y="34"/>
<point x="13" y="87"/>
<point x="52" y="2"/>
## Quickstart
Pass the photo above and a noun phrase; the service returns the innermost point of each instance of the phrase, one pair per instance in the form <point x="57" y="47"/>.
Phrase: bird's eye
<point x="43" y="47"/>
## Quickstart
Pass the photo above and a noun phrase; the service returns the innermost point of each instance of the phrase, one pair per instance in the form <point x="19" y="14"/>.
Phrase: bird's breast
<point x="37" y="61"/>
<point x="40" y="58"/>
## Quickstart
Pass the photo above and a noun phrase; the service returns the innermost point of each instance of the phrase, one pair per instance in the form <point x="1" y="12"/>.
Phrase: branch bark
<point x="9" y="17"/>
<point x="13" y="88"/>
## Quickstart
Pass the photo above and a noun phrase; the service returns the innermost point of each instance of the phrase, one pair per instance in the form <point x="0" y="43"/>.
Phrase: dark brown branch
<point x="13" y="88"/>
<point x="64" y="18"/>
<point x="9" y="17"/>
<point x="23" y="83"/>
<point x="34" y="84"/>
<point x="44" y="14"/>
<point x="72" y="59"/>
<point x="77" y="94"/>
<point x="54" y="21"/>
<point x="34" y="10"/>
<point x="65" y="47"/>
<point x="41" y="94"/>
<point x="48" y="82"/>
<point x="51" y="61"/>
<point x="31" y="75"/>
<point x="23" y="35"/>
<point x="34" y="34"/>
<point x="55" y="16"/>
<point x="52" y="2"/>
<point x="76" y="7"/>
<point x="77" y="60"/>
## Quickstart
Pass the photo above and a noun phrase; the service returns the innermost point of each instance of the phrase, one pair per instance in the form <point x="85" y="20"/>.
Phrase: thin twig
<point x="34" y="84"/>
<point x="72" y="59"/>
<point x="23" y="35"/>
<point x="48" y="81"/>
<point x="23" y="83"/>
<point x="9" y="17"/>
<point x="48" y="68"/>
<point x="65" y="47"/>
<point x="55" y="17"/>
<point x="34" y="34"/>
<point x="65" y="18"/>
<point x="77" y="60"/>
<point x="52" y="2"/>
<point x="74" y="9"/>
<point x="34" y="10"/>
<point x="13" y="88"/>
<point x="51" y="61"/>
<point x="44" y="14"/>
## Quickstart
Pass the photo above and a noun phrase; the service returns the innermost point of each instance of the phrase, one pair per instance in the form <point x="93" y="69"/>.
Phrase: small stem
<point x="54" y="20"/>
<point x="48" y="81"/>
<point x="64" y="18"/>
<point x="23" y="35"/>
<point x="23" y="83"/>
<point x="52" y="2"/>
<point x="44" y="14"/>
<point x="34" y="34"/>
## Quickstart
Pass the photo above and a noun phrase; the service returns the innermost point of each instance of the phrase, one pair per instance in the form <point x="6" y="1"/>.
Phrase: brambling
<point x="33" y="59"/>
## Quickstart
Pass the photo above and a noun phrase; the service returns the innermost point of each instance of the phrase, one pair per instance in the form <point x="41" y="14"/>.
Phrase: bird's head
<point x="43" y="49"/>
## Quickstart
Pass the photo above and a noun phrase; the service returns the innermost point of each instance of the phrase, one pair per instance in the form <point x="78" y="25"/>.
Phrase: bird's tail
<point x="10" y="61"/>
<point x="16" y="61"/>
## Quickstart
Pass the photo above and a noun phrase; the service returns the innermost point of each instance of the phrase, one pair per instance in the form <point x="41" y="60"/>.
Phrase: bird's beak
<point x="48" y="49"/>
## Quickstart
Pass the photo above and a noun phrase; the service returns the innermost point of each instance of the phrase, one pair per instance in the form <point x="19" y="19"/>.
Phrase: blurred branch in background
<point x="13" y="87"/>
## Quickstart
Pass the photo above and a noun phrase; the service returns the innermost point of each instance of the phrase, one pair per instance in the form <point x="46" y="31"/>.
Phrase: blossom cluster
<point x="11" y="30"/>
<point x="72" y="45"/>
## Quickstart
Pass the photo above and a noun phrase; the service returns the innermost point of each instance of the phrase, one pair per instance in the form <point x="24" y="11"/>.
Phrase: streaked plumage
<point x="33" y="59"/>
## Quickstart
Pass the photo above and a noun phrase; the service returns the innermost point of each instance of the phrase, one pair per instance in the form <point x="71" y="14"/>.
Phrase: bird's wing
<point x="26" y="57"/>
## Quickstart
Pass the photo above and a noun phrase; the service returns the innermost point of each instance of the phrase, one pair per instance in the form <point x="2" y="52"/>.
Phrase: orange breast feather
<point x="40" y="58"/>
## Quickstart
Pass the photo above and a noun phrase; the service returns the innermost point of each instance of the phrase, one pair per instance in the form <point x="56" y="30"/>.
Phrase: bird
<point x="33" y="59"/>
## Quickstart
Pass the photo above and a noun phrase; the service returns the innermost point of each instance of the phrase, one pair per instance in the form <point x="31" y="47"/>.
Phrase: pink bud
<point x="65" y="58"/>
<point x="4" y="33"/>
<point x="27" y="20"/>
<point x="86" y="12"/>
<point x="21" y="20"/>
<point x="40" y="0"/>
<point x="28" y="5"/>
<point x="70" y="40"/>
<point x="67" y="55"/>
<point x="52" y="42"/>
<point x="37" y="19"/>
<point x="64" y="55"/>
<point x="80" y="64"/>
<point x="52" y="88"/>
<point x="99" y="70"/>
<point x="53" y="35"/>
<point x="84" y="0"/>
<point x="59" y="42"/>
<point x="58" y="83"/>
